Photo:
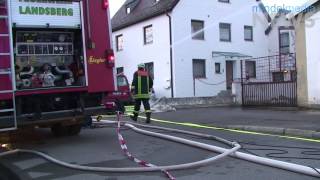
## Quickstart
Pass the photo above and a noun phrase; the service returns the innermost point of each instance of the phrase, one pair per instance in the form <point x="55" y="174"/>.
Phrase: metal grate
<point x="269" y="81"/>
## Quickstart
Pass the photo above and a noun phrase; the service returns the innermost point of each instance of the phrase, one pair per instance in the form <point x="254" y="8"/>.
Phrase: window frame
<point x="217" y="64"/>
<point x="254" y="70"/>
<point x="281" y="46"/>
<point x="278" y="76"/>
<point x="230" y="33"/>
<point x="204" y="75"/>
<point x="147" y="67"/>
<point x="224" y="1"/>
<point x="120" y="69"/>
<point x="117" y="43"/>
<point x="246" y="27"/>
<point x="145" y="34"/>
<point x="197" y="35"/>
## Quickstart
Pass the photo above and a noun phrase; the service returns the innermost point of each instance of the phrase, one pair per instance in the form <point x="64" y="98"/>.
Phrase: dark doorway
<point x="229" y="74"/>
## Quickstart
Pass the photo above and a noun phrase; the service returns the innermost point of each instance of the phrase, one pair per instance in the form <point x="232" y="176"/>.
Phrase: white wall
<point x="313" y="60"/>
<point x="238" y="13"/>
<point x="135" y="52"/>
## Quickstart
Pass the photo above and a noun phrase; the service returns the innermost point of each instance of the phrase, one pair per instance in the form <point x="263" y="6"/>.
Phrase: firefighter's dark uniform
<point x="141" y="86"/>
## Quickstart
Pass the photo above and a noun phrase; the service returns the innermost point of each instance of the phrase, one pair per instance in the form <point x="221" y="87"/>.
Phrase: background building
<point x="192" y="49"/>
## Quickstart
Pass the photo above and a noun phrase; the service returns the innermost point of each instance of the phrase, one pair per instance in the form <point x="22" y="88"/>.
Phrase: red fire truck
<point x="56" y="63"/>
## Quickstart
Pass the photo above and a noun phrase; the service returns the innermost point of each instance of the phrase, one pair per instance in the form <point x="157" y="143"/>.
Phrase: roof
<point x="140" y="10"/>
<point x="229" y="54"/>
<point x="305" y="8"/>
<point x="281" y="12"/>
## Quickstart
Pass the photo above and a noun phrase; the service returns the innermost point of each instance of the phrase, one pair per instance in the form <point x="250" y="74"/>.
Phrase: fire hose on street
<point x="152" y="168"/>
<point x="225" y="153"/>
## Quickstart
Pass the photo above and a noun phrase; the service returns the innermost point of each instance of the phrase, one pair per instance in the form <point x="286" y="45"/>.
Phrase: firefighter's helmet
<point x="141" y="65"/>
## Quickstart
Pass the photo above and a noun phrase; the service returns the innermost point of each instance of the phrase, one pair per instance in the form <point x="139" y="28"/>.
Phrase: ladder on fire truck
<point x="8" y="119"/>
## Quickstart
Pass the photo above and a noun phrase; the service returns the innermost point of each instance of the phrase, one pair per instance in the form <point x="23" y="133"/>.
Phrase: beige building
<point x="307" y="24"/>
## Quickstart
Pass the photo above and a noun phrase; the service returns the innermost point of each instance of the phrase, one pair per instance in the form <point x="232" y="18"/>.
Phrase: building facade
<point x="308" y="56"/>
<point x="192" y="49"/>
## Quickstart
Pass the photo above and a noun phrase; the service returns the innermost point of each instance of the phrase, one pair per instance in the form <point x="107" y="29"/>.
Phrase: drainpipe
<point x="171" y="60"/>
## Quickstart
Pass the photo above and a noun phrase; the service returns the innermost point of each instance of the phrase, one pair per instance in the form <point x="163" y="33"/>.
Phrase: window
<point x="197" y="29"/>
<point x="217" y="68"/>
<point x="225" y="32"/>
<point x="277" y="76"/>
<point x="119" y="42"/>
<point x="122" y="81"/>
<point x="128" y="10"/>
<point x="248" y="33"/>
<point x="150" y="69"/>
<point x="148" y="34"/>
<point x="224" y="1"/>
<point x="199" y="68"/>
<point x="284" y="43"/>
<point x="250" y="69"/>
<point x="120" y="70"/>
<point x="293" y="75"/>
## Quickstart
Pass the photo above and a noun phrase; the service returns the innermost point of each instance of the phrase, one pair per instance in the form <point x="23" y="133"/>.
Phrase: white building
<point x="192" y="48"/>
<point x="308" y="55"/>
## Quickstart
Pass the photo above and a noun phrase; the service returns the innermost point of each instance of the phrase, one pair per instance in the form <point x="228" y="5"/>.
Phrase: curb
<point x="279" y="131"/>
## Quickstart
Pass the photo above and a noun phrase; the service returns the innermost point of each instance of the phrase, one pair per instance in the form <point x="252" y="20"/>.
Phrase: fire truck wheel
<point x="58" y="130"/>
<point x="74" y="130"/>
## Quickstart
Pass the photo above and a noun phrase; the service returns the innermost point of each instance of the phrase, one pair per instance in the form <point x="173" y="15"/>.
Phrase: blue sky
<point x="116" y="4"/>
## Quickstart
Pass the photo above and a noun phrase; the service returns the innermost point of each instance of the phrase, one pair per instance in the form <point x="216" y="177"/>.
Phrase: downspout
<point x="171" y="59"/>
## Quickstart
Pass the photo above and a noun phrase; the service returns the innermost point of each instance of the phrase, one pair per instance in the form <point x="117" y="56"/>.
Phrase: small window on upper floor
<point x="225" y="32"/>
<point x="284" y="43"/>
<point x="128" y="10"/>
<point x="197" y="29"/>
<point x="148" y="35"/>
<point x="224" y="1"/>
<point x="248" y="33"/>
<point x="119" y="42"/>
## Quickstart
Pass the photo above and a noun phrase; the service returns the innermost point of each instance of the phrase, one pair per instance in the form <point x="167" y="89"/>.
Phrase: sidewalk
<point x="280" y="121"/>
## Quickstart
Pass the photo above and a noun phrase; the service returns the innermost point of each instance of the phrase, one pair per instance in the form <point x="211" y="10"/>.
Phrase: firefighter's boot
<point x="134" y="117"/>
<point x="148" y="114"/>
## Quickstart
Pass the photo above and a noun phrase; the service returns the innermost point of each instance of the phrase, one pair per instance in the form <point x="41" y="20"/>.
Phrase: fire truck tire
<point x="59" y="130"/>
<point x="74" y="130"/>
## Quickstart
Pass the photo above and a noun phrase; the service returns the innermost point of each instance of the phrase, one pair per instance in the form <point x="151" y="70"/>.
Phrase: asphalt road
<point x="99" y="147"/>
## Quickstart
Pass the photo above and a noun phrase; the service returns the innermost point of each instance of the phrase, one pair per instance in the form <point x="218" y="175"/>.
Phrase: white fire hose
<point x="212" y="148"/>
<point x="225" y="152"/>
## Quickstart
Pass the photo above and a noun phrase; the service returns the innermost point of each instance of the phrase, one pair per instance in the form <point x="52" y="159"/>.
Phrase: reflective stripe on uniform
<point x="139" y="85"/>
<point x="141" y="96"/>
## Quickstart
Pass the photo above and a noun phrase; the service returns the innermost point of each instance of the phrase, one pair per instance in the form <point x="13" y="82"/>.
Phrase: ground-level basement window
<point x="278" y="77"/>
<point x="250" y="69"/>
<point x="150" y="69"/>
<point x="120" y="70"/>
<point x="217" y="68"/>
<point x="199" y="68"/>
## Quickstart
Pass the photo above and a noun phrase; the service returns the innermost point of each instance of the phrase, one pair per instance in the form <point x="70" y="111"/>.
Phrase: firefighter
<point x="141" y="87"/>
